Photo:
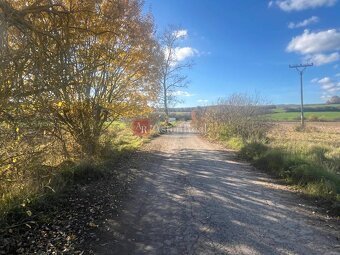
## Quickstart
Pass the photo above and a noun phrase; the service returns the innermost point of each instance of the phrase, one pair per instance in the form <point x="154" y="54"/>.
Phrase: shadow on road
<point x="193" y="201"/>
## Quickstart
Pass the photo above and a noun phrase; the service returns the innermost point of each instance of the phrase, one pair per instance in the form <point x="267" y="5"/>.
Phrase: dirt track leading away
<point x="192" y="197"/>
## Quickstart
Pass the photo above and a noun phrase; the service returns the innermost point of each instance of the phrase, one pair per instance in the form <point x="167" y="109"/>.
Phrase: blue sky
<point x="246" y="47"/>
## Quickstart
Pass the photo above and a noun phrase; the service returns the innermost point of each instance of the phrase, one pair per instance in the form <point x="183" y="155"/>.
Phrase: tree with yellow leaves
<point x="78" y="65"/>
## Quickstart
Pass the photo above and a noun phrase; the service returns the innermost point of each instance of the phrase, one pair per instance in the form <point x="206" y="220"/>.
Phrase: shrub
<point x="253" y="151"/>
<point x="235" y="143"/>
<point x="239" y="115"/>
<point x="272" y="161"/>
<point x="323" y="188"/>
<point x="41" y="180"/>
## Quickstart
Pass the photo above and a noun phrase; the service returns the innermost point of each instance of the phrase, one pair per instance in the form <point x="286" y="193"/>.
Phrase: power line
<point x="301" y="68"/>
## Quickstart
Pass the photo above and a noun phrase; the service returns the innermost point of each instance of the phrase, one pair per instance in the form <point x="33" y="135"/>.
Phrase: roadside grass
<point x="309" y="159"/>
<point x="24" y="197"/>
<point x="234" y="143"/>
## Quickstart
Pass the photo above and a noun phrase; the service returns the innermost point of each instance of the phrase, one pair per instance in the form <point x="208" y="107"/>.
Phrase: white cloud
<point x="181" y="93"/>
<point x="202" y="101"/>
<point x="321" y="59"/>
<point x="180" y="54"/>
<point x="304" y="23"/>
<point x="337" y="75"/>
<point x="325" y="80"/>
<point x="298" y="5"/>
<point x="329" y="86"/>
<point x="317" y="47"/>
<point x="184" y="52"/>
<point x="180" y="33"/>
<point x="309" y="42"/>
<point x="326" y="96"/>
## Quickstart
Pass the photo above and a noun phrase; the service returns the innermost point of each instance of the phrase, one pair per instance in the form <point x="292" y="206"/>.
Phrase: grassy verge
<point x="312" y="167"/>
<point x="22" y="202"/>
<point x="314" y="177"/>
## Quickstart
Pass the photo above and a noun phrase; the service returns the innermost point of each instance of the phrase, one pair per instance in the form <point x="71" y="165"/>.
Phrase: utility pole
<point x="301" y="68"/>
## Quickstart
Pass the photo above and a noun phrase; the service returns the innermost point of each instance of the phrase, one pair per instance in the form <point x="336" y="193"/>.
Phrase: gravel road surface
<point x="194" y="197"/>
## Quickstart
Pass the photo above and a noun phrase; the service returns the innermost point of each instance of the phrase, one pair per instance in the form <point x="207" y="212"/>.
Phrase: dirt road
<point x="192" y="197"/>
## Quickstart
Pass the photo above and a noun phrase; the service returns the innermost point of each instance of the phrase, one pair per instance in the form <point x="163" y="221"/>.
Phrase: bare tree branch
<point x="172" y="77"/>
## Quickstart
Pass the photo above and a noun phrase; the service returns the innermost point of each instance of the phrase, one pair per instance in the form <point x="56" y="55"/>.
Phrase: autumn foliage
<point x="68" y="69"/>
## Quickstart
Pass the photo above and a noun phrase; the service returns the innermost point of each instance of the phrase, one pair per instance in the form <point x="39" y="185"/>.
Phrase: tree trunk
<point x="89" y="145"/>
<point x="166" y="110"/>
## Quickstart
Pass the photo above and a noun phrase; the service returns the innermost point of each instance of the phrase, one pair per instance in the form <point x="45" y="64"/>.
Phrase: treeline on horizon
<point x="287" y="108"/>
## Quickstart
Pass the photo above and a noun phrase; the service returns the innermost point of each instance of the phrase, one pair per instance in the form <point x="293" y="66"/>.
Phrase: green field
<point x="292" y="116"/>
<point x="313" y="112"/>
<point x="317" y="112"/>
